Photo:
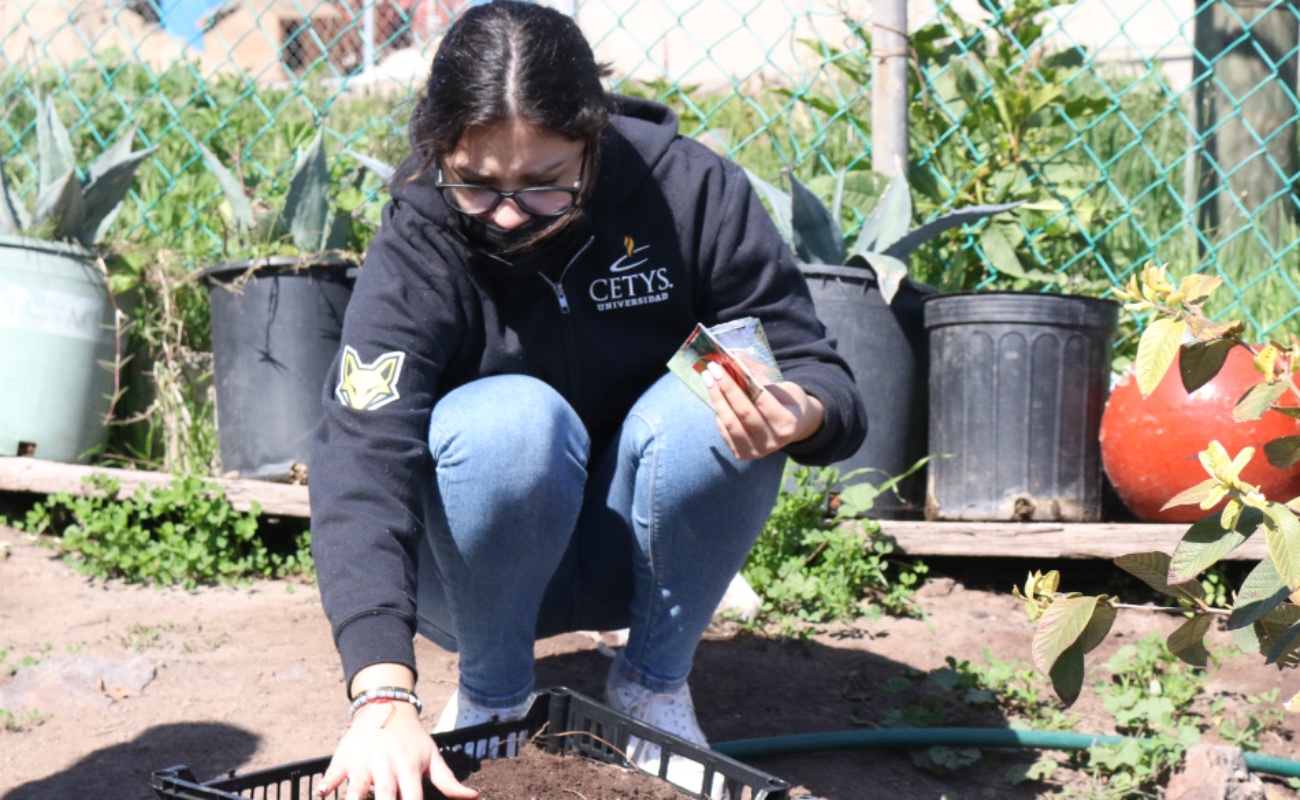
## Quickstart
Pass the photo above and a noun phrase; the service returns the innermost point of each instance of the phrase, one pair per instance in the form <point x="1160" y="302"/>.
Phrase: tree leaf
<point x="1270" y="628"/>
<point x="961" y="216"/>
<point x="1207" y="541"/>
<point x="1216" y="461"/>
<point x="1103" y="616"/>
<point x="1198" y="287"/>
<point x="1205" y="330"/>
<point x="1199" y="362"/>
<point x="1284" y="452"/>
<point x="1291" y="411"/>
<point x="1284" y="647"/>
<point x="1000" y="252"/>
<point x="1153" y="570"/>
<point x="1258" y="399"/>
<point x="1188" y="641"/>
<point x="1261" y="592"/>
<point x="54" y="152"/>
<point x="1282" y="530"/>
<point x="1194" y="496"/>
<point x="307" y="204"/>
<point x="1156" y="351"/>
<point x="1059" y="628"/>
<point x="1067" y="674"/>
<point x="240" y="207"/>
<point x="817" y="237"/>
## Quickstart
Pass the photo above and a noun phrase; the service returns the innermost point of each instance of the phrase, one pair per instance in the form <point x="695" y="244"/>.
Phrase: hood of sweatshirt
<point x="638" y="137"/>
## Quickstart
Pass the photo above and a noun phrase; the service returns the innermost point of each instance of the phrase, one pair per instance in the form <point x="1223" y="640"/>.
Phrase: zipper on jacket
<point x="558" y="286"/>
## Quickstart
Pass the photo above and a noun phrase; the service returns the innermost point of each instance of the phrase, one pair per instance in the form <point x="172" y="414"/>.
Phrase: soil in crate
<point x="535" y="774"/>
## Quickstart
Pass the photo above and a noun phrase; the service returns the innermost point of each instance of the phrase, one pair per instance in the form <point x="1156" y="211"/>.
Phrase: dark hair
<point x="511" y="60"/>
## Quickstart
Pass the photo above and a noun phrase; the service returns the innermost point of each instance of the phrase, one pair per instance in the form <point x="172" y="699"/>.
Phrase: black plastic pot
<point x="885" y="346"/>
<point x="276" y="325"/>
<point x="1017" y="386"/>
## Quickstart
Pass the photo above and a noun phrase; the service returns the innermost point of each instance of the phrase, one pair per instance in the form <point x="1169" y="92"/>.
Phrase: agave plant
<point x="884" y="242"/>
<point x="69" y="207"/>
<point x="308" y="224"/>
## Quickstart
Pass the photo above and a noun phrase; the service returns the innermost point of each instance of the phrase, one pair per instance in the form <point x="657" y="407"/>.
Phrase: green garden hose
<point x="955" y="737"/>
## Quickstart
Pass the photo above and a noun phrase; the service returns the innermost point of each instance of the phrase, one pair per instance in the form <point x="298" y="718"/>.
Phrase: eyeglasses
<point x="540" y="201"/>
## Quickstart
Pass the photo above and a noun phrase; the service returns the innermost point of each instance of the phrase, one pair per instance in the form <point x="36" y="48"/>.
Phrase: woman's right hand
<point x="387" y="749"/>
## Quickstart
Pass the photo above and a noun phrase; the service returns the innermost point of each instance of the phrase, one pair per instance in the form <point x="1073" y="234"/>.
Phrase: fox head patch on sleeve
<point x="365" y="387"/>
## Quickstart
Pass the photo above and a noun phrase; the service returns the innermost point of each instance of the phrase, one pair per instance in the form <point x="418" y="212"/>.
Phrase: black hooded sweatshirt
<point x="674" y="236"/>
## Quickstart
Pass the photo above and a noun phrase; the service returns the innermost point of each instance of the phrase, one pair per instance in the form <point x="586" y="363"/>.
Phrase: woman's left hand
<point x="783" y="414"/>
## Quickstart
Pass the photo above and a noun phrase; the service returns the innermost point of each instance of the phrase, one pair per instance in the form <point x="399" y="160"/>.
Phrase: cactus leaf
<point x="888" y="221"/>
<point x="817" y="237"/>
<point x="384" y="170"/>
<point x="110" y="179"/>
<point x="340" y="232"/>
<point x="307" y="205"/>
<point x="54" y="153"/>
<point x="889" y="271"/>
<point x="904" y="247"/>
<point x="60" y="208"/>
<point x="118" y="151"/>
<point x="780" y="204"/>
<point x="13" y="217"/>
<point x="232" y="189"/>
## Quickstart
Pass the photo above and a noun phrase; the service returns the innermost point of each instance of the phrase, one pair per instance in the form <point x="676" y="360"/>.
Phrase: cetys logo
<point x="366" y="387"/>
<point x="631" y="280"/>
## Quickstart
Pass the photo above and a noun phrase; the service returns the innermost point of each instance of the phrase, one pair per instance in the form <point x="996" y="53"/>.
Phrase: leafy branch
<point x="1265" y="614"/>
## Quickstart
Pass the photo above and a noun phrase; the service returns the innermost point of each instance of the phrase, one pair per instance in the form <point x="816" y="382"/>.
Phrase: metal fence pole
<point x="889" y="98"/>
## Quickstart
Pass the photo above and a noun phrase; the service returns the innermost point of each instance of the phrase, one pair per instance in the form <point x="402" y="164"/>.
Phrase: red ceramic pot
<point x="1149" y="448"/>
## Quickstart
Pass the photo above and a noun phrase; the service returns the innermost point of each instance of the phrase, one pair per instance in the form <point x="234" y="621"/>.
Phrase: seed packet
<point x="740" y="347"/>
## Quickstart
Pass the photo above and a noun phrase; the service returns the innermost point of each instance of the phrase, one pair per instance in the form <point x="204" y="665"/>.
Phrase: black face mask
<point x="498" y="241"/>
<point x="549" y="253"/>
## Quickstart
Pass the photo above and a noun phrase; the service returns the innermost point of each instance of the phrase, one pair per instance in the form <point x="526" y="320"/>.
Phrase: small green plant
<point x="185" y="532"/>
<point x="884" y="242"/>
<point x="309" y="221"/>
<point x="16" y="723"/>
<point x="1263" y="716"/>
<point x="10" y="669"/>
<point x="1264" y="616"/>
<point x="68" y="208"/>
<point x="1150" y="694"/>
<point x="140" y="637"/>
<point x="812" y="565"/>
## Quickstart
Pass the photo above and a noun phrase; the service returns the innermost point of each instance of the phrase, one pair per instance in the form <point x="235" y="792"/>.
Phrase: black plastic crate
<point x="560" y="720"/>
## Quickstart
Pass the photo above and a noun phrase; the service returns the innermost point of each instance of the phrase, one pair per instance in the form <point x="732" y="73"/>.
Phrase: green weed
<point x="140" y="637"/>
<point x="16" y="723"/>
<point x="185" y="532"/>
<point x="811" y="565"/>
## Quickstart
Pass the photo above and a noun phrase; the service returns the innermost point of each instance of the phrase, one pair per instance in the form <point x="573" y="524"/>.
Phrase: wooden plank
<point x="1046" y="540"/>
<point x="50" y="477"/>
<point x="990" y="539"/>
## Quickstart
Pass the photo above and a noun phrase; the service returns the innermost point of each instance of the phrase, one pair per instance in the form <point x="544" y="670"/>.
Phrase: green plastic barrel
<point x="56" y="337"/>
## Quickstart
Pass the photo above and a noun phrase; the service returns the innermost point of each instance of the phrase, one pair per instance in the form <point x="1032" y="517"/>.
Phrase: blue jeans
<point x="530" y="535"/>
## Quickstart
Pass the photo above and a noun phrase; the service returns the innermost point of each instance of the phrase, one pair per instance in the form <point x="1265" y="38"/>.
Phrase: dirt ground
<point x="127" y="680"/>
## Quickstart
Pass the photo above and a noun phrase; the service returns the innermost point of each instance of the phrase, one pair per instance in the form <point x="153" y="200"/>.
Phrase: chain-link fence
<point x="1155" y="129"/>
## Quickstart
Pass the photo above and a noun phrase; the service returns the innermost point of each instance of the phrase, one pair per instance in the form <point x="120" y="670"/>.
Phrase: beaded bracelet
<point x="385" y="693"/>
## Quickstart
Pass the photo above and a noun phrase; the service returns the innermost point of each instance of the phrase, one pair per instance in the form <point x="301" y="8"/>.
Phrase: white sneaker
<point x="461" y="713"/>
<point x="672" y="712"/>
